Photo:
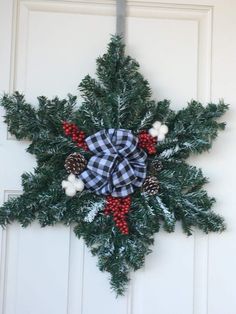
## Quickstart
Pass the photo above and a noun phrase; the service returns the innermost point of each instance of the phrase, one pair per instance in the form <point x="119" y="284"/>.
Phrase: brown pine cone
<point x="156" y="166"/>
<point x="151" y="185"/>
<point x="75" y="163"/>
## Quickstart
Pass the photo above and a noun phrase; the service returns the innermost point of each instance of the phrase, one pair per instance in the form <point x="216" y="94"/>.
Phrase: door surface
<point x="186" y="49"/>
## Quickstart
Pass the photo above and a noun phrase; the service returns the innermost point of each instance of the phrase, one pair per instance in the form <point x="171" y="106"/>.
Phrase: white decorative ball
<point x="71" y="178"/>
<point x="164" y="129"/>
<point x="157" y="125"/>
<point x="161" y="137"/>
<point x="153" y="132"/>
<point x="79" y="185"/>
<point x="64" y="184"/>
<point x="70" y="191"/>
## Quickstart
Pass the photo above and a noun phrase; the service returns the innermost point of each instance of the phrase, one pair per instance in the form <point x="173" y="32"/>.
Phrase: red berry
<point x="77" y="136"/>
<point x="118" y="207"/>
<point x="147" y="142"/>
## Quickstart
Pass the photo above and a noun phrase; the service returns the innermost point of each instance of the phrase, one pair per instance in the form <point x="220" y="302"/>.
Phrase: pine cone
<point x="75" y="163"/>
<point x="151" y="185"/>
<point x="156" y="166"/>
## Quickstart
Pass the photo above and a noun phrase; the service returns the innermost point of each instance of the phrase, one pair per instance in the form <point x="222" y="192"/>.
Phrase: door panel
<point x="186" y="50"/>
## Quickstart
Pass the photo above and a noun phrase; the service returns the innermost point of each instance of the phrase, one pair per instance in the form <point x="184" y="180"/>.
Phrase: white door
<point x="187" y="49"/>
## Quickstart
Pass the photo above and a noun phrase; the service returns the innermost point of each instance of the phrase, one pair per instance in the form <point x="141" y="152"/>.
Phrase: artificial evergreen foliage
<point x="119" y="98"/>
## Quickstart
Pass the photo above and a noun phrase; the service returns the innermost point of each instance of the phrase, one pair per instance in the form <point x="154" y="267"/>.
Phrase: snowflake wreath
<point x="115" y="166"/>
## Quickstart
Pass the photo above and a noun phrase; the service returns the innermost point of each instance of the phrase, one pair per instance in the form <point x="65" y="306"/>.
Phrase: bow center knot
<point x="118" y="165"/>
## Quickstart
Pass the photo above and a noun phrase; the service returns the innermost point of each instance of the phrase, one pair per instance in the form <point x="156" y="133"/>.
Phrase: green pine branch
<point x="120" y="97"/>
<point x="192" y="130"/>
<point x="20" y="117"/>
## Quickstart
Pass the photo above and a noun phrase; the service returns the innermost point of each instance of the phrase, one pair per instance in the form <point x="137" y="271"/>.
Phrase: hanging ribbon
<point x="120" y="17"/>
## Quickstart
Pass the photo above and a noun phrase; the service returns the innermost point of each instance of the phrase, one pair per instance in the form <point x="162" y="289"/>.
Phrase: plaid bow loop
<point x="118" y="165"/>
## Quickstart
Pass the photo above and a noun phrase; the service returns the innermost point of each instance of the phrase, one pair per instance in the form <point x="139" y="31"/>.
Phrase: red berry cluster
<point x="78" y="136"/>
<point x="147" y="142"/>
<point x="119" y="207"/>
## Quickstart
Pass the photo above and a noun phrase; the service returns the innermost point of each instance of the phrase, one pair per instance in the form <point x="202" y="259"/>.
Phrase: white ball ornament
<point x="72" y="185"/>
<point x="164" y="129"/>
<point x="70" y="191"/>
<point x="64" y="184"/>
<point x="156" y="125"/>
<point x="161" y="137"/>
<point x="153" y="132"/>
<point x="79" y="185"/>
<point x="71" y="178"/>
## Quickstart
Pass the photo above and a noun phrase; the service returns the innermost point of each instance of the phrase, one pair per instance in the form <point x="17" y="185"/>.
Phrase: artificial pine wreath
<point x="115" y="165"/>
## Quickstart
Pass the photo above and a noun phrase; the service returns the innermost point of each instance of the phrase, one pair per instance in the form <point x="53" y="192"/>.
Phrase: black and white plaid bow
<point x="118" y="165"/>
